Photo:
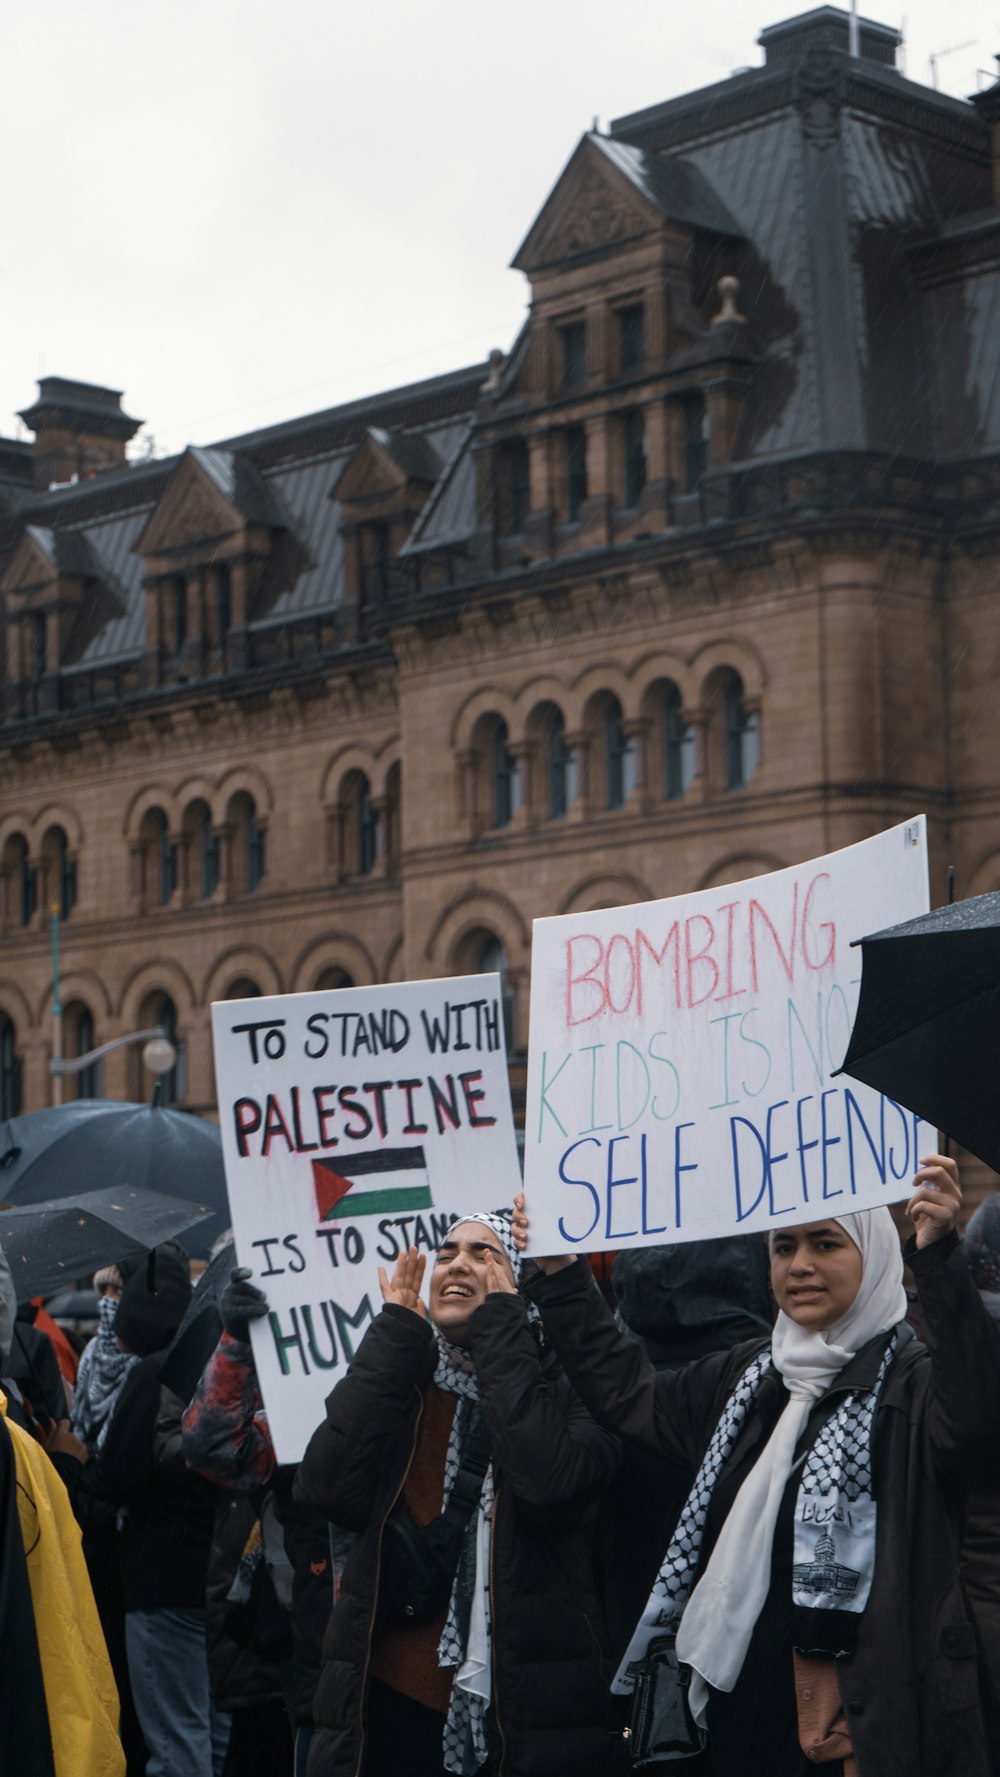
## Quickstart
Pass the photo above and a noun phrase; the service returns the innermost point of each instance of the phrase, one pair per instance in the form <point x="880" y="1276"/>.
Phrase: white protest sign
<point x="354" y="1124"/>
<point x="681" y="1053"/>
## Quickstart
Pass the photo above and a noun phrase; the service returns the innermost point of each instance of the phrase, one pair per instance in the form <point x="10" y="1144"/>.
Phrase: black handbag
<point x="662" y="1730"/>
<point x="419" y="1562"/>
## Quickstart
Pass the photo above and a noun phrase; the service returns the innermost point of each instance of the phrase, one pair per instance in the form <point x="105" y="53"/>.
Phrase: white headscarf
<point x="722" y="1611"/>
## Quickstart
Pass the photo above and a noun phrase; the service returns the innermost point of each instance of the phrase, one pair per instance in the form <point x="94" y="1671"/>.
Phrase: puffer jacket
<point x="913" y="1690"/>
<point x="551" y="1713"/>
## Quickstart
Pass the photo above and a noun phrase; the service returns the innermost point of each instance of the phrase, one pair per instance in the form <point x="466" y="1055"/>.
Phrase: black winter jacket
<point x="551" y="1714"/>
<point x="912" y="1689"/>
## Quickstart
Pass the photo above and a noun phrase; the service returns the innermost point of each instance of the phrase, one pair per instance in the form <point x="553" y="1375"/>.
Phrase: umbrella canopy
<point x="927" y="1030"/>
<point x="50" y="1244"/>
<point x="96" y="1142"/>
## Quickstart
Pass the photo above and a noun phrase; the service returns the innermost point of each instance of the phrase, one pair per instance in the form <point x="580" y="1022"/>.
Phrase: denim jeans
<point x="168" y="1666"/>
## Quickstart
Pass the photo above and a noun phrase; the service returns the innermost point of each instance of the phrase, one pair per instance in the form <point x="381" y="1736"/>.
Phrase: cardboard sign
<point x="354" y="1124"/>
<point x="681" y="1053"/>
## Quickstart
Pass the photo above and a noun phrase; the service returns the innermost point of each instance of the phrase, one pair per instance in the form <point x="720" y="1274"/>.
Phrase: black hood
<point x="704" y="1295"/>
<point x="153" y="1301"/>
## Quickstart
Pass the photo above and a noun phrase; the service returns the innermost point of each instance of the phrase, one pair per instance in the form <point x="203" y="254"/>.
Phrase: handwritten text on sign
<point x="354" y="1124"/>
<point x="681" y="1053"/>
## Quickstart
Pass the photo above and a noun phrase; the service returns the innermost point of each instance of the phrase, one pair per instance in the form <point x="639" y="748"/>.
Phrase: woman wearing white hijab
<point x="811" y="1581"/>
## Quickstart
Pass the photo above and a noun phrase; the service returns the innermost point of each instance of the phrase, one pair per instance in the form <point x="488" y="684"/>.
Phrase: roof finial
<point x="497" y="362"/>
<point x="729" y="289"/>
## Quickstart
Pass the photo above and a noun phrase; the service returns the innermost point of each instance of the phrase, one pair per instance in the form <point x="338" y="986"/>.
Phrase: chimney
<point x="987" y="104"/>
<point x="829" y="28"/>
<point x="80" y="430"/>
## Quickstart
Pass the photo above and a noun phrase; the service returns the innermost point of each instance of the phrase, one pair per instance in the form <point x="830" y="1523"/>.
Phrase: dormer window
<point x="634" y="450"/>
<point x="574" y="354"/>
<point x="223" y="599"/>
<point x="376" y="556"/>
<point x="178" y="609"/>
<point x="631" y="337"/>
<point x="39" y="644"/>
<point x="694" y="417"/>
<point x="576" y="472"/>
<point x="513" y="487"/>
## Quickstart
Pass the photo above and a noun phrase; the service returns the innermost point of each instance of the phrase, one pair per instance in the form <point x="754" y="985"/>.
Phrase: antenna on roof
<point x="939" y="54"/>
<point x="595" y="128"/>
<point x="854" y="35"/>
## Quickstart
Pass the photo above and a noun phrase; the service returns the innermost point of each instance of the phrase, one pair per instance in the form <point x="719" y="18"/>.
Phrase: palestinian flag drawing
<point x="371" y="1184"/>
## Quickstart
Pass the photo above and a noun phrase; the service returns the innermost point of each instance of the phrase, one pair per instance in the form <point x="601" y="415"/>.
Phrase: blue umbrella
<point x="97" y="1142"/>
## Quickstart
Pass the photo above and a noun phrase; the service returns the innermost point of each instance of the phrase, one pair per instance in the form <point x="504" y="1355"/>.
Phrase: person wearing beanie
<point x="467" y="1635"/>
<point x="166" y="1532"/>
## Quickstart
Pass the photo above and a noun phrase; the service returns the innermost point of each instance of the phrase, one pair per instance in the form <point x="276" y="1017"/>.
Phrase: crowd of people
<point x="743" y="1516"/>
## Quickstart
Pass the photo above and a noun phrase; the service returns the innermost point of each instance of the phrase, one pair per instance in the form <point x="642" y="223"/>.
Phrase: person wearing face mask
<point x="467" y="1635"/>
<point x="812" y="1579"/>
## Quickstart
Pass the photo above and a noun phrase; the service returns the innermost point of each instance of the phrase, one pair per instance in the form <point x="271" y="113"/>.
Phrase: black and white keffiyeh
<point x="835" y="1513"/>
<point x="101" y="1377"/>
<point x="466" y="1637"/>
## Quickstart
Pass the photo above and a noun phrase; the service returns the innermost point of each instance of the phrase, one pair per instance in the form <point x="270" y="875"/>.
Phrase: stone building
<point x="698" y="580"/>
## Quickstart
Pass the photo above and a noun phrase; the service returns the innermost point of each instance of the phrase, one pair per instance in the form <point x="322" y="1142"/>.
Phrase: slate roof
<point x="678" y="188"/>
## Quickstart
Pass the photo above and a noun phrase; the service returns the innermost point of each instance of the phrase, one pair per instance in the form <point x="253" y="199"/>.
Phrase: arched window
<point x="11" y="1083"/>
<point x="79" y="1038"/>
<point x="22" y="882"/>
<point x="250" y="859"/>
<point x="159" y="859"/>
<point x="158" y="1009"/>
<point x="243" y="988"/>
<point x="678" y="747"/>
<point x="360" y="826"/>
<point x="60" y="871"/>
<point x="619" y="757"/>
<point x="487" y="956"/>
<point x="742" y="736"/>
<point x="391" y="833"/>
<point x="201" y="844"/>
<point x="504" y="777"/>
<point x="560" y="766"/>
<point x="330" y="979"/>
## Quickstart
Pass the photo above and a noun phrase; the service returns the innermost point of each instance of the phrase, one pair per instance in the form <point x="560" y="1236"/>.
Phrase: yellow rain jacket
<point x="79" y="1688"/>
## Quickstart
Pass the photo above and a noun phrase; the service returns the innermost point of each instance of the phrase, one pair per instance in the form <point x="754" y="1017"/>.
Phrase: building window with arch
<point x="742" y="736"/>
<point x="243" y="988"/>
<point x="678" y="747"/>
<point x="11" y="1071"/>
<point x="359" y="825"/>
<point x="250" y="850"/>
<point x="60" y="872"/>
<point x="483" y="953"/>
<point x="504" y="777"/>
<point x="561" y="777"/>
<point x="22" y="880"/>
<point x="619" y="757"/>
<point x="159" y="1009"/>
<point x="78" y="1024"/>
<point x="332" y="979"/>
<point x="369" y="835"/>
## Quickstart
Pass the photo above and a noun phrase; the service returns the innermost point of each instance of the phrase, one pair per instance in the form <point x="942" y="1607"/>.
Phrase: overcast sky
<point x="241" y="210"/>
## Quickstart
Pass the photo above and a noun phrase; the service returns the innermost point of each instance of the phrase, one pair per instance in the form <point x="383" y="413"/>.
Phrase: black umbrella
<point x="94" y="1142"/>
<point x="927" y="1030"/>
<point x="50" y="1244"/>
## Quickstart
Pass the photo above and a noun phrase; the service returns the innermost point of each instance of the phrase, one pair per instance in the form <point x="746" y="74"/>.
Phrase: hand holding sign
<point x="407" y="1277"/>
<point x="547" y="1262"/>
<point x="934" y="1207"/>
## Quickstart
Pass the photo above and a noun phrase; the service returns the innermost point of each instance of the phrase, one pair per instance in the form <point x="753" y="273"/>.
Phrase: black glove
<point x="240" y="1303"/>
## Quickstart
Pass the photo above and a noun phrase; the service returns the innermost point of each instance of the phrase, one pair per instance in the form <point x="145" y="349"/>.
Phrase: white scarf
<point x="721" y="1614"/>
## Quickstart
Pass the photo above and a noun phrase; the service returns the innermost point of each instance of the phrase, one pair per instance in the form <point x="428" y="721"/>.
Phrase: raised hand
<point x="554" y="1262"/>
<point x="407" y="1277"/>
<point x="499" y="1281"/>
<point x="937" y="1199"/>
